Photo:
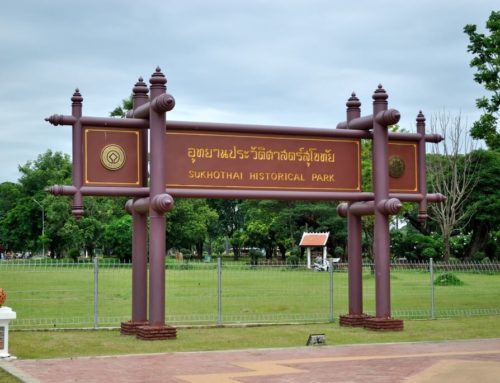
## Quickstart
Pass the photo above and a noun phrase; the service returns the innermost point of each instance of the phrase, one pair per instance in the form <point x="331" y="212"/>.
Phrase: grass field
<point x="70" y="343"/>
<point x="63" y="296"/>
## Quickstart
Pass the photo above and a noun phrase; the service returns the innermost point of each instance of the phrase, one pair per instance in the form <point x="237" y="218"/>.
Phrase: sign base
<point x="130" y="327"/>
<point x="353" y="320"/>
<point x="156" y="332"/>
<point x="383" y="324"/>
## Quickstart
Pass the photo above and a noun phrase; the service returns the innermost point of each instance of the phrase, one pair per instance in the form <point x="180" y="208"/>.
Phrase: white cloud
<point x="286" y="62"/>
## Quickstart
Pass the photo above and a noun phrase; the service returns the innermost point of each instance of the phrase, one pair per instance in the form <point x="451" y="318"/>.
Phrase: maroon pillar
<point x="140" y="223"/>
<point x="157" y="238"/>
<point x="422" y="169"/>
<point x="355" y="266"/>
<point x="381" y="192"/>
<point x="381" y="249"/>
<point x="139" y="232"/>
<point x="139" y="269"/>
<point x="355" y="317"/>
<point x="76" y="112"/>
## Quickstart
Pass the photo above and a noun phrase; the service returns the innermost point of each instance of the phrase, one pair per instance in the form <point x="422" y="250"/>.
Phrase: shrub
<point x="448" y="279"/>
<point x="74" y="254"/>
<point x="429" y="252"/>
<point x="293" y="260"/>
<point x="254" y="256"/>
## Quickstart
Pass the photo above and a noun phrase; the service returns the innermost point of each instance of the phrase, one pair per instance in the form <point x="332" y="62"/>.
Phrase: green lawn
<point x="53" y="344"/>
<point x="51" y="297"/>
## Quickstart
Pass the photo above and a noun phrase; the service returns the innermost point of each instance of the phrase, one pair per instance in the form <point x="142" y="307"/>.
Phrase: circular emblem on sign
<point x="396" y="167"/>
<point x="113" y="157"/>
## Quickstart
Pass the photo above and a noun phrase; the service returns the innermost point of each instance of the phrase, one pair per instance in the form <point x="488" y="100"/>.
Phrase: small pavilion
<point x="314" y="240"/>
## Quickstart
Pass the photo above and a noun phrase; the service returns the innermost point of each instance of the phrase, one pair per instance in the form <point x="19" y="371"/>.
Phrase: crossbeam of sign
<point x="220" y="160"/>
<point x="242" y="160"/>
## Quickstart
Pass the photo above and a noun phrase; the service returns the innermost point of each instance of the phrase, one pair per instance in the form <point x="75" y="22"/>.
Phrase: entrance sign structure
<point x="215" y="160"/>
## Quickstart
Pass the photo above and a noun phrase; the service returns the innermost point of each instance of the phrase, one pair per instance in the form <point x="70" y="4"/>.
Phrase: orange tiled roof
<point x="314" y="239"/>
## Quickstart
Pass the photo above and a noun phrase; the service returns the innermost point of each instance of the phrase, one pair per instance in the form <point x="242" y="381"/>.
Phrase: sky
<point x="279" y="62"/>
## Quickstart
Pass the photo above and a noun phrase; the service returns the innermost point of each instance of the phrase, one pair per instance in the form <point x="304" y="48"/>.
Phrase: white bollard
<point x="6" y="315"/>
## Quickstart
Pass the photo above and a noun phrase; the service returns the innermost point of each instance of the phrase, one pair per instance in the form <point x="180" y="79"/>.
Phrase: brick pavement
<point x="429" y="362"/>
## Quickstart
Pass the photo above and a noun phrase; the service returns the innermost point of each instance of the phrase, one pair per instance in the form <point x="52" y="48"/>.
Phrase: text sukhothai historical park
<point x="221" y="160"/>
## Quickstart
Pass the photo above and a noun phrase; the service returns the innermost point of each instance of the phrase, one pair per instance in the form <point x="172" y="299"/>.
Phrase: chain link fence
<point x="93" y="295"/>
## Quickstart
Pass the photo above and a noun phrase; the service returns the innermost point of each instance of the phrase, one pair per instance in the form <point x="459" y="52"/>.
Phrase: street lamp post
<point x="43" y="226"/>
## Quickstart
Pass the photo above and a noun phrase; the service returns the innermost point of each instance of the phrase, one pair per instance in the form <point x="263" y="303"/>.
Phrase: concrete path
<point x="429" y="362"/>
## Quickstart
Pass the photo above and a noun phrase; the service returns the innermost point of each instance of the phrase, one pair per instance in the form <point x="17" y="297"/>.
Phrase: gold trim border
<point x="275" y="137"/>
<point x="85" y="164"/>
<point x="415" y="158"/>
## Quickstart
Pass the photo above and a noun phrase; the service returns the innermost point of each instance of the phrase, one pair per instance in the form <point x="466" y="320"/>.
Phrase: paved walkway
<point x="429" y="362"/>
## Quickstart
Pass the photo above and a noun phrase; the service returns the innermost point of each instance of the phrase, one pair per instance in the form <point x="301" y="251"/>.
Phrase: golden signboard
<point x="262" y="161"/>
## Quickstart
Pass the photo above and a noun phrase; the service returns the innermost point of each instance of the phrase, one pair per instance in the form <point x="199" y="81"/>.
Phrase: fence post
<point x="431" y="273"/>
<point x="330" y="272"/>
<point x="96" y="293"/>
<point x="219" y="291"/>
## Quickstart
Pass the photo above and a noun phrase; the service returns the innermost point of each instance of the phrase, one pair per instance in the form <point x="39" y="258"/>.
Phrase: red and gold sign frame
<point x="112" y="157"/>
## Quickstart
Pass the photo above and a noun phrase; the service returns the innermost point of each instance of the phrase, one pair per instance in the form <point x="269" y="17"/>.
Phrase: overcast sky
<point x="283" y="62"/>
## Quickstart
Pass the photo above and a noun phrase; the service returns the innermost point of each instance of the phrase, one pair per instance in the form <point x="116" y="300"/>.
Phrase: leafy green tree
<point x="118" y="238"/>
<point x="9" y="196"/>
<point x="92" y="230"/>
<point x="47" y="170"/>
<point x="485" y="203"/>
<point x="409" y="243"/>
<point x="263" y="225"/>
<point x="22" y="204"/>
<point x="71" y="235"/>
<point x="230" y="222"/>
<point x="188" y="224"/>
<point x="121" y="110"/>
<point x="486" y="61"/>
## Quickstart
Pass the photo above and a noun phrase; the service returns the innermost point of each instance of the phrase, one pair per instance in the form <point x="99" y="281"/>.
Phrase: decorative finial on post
<point x="77" y="98"/>
<point x="380" y="95"/>
<point x="158" y="79"/>
<point x="353" y="101"/>
<point x="140" y="88"/>
<point x="353" y="107"/>
<point x="420" y="120"/>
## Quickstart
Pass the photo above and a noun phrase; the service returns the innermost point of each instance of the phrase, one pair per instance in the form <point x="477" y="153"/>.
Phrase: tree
<point x="486" y="61"/>
<point x="21" y="226"/>
<point x="9" y="195"/>
<point x="48" y="169"/>
<point x="188" y="224"/>
<point x="451" y="172"/>
<point x="121" y="110"/>
<point x="118" y="238"/>
<point x="485" y="203"/>
<point x="230" y="222"/>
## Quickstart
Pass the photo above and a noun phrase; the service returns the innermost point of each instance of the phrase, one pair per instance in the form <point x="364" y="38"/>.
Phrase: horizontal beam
<point x="107" y="122"/>
<point x="301" y="131"/>
<point x="139" y="123"/>
<point x="386" y="117"/>
<point x="389" y="206"/>
<point x="238" y="194"/>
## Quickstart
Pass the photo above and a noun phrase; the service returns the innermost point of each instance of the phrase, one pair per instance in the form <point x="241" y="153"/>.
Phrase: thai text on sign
<point x="262" y="161"/>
